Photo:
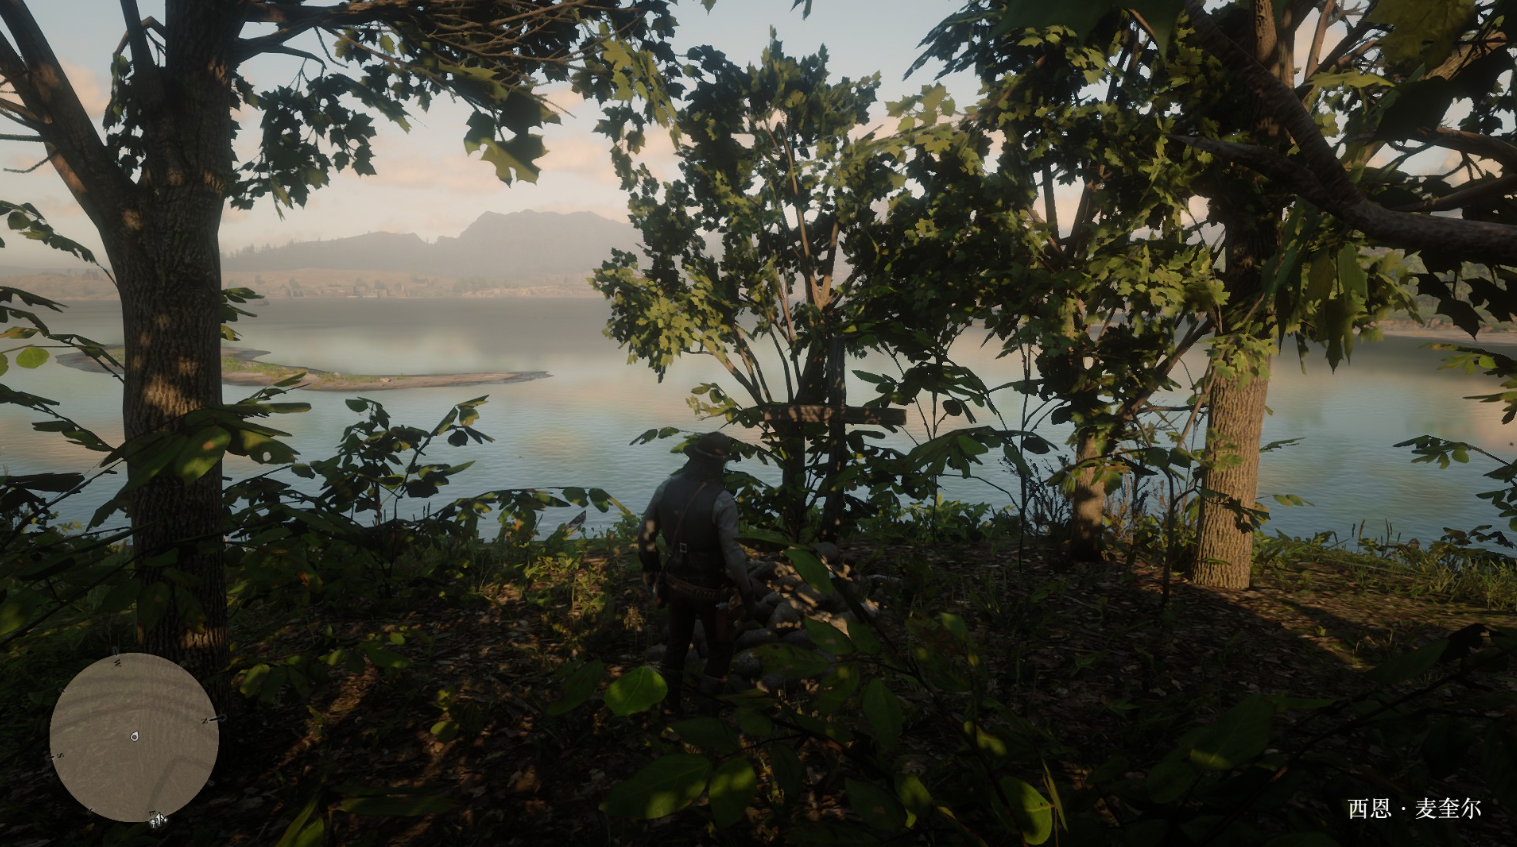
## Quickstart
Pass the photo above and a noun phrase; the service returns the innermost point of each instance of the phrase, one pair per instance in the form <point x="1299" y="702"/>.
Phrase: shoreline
<point x="1449" y="333"/>
<point x="268" y="373"/>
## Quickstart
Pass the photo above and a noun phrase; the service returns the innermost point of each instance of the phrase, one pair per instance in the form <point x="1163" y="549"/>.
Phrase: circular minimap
<point x="133" y="737"/>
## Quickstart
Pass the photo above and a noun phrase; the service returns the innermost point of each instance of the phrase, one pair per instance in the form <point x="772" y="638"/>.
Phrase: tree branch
<point x="1324" y="20"/>
<point x="1466" y="195"/>
<point x="1475" y="241"/>
<point x="1485" y="146"/>
<point x="18" y="113"/>
<point x="1320" y="177"/>
<point x="26" y="170"/>
<point x="144" y="68"/>
<point x="31" y="67"/>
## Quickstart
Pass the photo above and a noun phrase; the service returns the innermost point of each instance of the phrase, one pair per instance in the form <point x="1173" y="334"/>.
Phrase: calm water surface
<point x="574" y="428"/>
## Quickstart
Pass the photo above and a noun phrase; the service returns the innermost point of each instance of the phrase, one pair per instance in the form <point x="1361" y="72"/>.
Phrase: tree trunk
<point x="171" y="317"/>
<point x="837" y="444"/>
<point x="1087" y="501"/>
<point x="164" y="245"/>
<point x="792" y="478"/>
<point x="1235" y="422"/>
<point x="1235" y="426"/>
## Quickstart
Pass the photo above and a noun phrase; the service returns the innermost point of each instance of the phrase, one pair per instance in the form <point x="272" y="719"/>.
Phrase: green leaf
<point x="152" y="604"/>
<point x="788" y="772"/>
<point x="1320" y="277"/>
<point x="955" y="625"/>
<point x="863" y="637"/>
<point x="970" y="447"/>
<point x="392" y="804"/>
<point x="383" y="658"/>
<point x="875" y="805"/>
<point x="1422" y="31"/>
<point x="1168" y="780"/>
<point x="828" y="638"/>
<point x="298" y="834"/>
<point x="663" y="787"/>
<point x="1020" y="15"/>
<point x="201" y="453"/>
<point x="1032" y="811"/>
<point x="913" y="795"/>
<point x="120" y="597"/>
<point x="883" y="709"/>
<point x="790" y="661"/>
<point x="732" y="789"/>
<point x="708" y="733"/>
<point x="811" y="569"/>
<point x="17" y="609"/>
<point x="31" y="357"/>
<point x="1407" y="665"/>
<point x="1237" y="736"/>
<point x="754" y="723"/>
<point x="635" y="691"/>
<point x="578" y="688"/>
<point x="1351" y="273"/>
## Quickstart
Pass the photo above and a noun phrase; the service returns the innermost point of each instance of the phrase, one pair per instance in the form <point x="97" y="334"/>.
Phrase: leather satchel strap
<point x="674" y="538"/>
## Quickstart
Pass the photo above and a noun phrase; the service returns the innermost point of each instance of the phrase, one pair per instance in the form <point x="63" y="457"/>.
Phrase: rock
<point x="771" y="683"/>
<point x="786" y="614"/>
<point x="828" y="552"/>
<point x="809" y="597"/>
<point x="747" y="665"/>
<point x="772" y="599"/>
<point x="797" y="638"/>
<point x="834" y="603"/>
<point x="755" y="637"/>
<point x="655" y="653"/>
<point x="762" y="571"/>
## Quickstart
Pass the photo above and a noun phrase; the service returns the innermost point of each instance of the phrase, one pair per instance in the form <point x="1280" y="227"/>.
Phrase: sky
<point x="426" y="183"/>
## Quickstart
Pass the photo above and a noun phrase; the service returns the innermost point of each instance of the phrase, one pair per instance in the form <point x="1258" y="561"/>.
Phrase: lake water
<point x="574" y="428"/>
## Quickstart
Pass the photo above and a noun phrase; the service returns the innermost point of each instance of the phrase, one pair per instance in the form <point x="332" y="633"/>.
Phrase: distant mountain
<point x="519" y="245"/>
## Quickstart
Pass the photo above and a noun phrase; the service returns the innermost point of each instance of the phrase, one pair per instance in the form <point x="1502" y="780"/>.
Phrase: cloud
<point x="588" y="157"/>
<point x="563" y="98"/>
<point x="93" y="94"/>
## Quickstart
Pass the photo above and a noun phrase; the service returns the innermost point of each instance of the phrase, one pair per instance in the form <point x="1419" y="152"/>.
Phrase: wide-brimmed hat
<point x="713" y="445"/>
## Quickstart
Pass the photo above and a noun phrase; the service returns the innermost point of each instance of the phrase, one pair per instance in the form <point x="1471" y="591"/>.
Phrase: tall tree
<point x="1111" y="101"/>
<point x="155" y="186"/>
<point x="1127" y="289"/>
<point x="1436" y="52"/>
<point x="770" y="164"/>
<point x="1430" y="54"/>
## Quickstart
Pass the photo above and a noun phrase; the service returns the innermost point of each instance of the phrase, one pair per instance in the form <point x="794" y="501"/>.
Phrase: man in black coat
<point x="698" y="518"/>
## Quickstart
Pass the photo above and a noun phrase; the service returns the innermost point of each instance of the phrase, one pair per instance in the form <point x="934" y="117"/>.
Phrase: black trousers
<point x="683" y="613"/>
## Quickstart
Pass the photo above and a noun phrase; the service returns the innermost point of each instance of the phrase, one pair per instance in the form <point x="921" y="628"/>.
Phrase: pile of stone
<point x="785" y="601"/>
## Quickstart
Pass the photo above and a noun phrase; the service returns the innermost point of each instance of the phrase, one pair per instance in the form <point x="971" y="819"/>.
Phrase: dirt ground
<point x="1108" y="673"/>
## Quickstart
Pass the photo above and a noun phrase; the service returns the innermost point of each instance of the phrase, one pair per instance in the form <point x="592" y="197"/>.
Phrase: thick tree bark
<point x="1225" y="541"/>
<point x="171" y="315"/>
<point x="1087" y="501"/>
<point x="164" y="246"/>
